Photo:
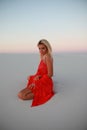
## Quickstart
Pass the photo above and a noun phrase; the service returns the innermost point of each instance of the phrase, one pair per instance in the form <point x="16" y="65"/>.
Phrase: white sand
<point x="65" y="111"/>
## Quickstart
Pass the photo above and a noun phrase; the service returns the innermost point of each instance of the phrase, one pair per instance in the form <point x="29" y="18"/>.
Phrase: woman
<point x="40" y="86"/>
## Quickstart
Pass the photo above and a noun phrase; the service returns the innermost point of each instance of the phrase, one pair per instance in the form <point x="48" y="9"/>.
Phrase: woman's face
<point x="42" y="49"/>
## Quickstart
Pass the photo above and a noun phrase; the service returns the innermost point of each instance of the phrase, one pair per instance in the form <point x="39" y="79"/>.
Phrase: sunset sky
<point x="24" y="22"/>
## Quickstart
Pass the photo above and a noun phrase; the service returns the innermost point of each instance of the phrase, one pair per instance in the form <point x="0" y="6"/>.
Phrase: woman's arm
<point x="49" y="62"/>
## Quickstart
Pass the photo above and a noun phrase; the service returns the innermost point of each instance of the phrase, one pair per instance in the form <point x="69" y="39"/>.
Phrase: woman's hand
<point x="31" y="85"/>
<point x="37" y="77"/>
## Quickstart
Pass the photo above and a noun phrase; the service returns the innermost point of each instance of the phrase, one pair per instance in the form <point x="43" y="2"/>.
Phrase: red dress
<point x="43" y="89"/>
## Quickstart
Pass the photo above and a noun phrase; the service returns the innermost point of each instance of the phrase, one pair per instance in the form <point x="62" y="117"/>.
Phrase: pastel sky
<point x="24" y="22"/>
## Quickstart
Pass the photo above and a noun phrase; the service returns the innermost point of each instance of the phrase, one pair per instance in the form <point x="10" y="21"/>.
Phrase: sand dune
<point x="66" y="110"/>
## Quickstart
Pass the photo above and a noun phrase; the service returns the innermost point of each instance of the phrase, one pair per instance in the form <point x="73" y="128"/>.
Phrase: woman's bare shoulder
<point x="48" y="57"/>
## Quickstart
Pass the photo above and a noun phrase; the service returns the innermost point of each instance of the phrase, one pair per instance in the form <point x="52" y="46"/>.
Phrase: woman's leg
<point x="28" y="96"/>
<point x="25" y="94"/>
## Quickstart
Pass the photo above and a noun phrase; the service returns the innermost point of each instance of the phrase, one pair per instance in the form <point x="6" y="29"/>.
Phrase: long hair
<point x="47" y="44"/>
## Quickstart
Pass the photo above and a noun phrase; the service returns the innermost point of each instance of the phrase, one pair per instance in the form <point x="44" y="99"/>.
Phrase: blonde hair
<point x="47" y="44"/>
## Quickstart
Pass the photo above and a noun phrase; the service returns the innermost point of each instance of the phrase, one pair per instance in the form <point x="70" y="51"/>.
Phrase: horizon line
<point x="38" y="52"/>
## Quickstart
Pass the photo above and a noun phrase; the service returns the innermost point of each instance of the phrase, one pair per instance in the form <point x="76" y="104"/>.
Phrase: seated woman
<point x="40" y="85"/>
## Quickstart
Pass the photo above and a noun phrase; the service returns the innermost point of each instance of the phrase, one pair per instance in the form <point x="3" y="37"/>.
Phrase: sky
<point x="24" y="22"/>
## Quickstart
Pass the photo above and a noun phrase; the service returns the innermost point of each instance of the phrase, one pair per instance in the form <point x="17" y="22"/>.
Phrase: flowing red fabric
<point x="43" y="89"/>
